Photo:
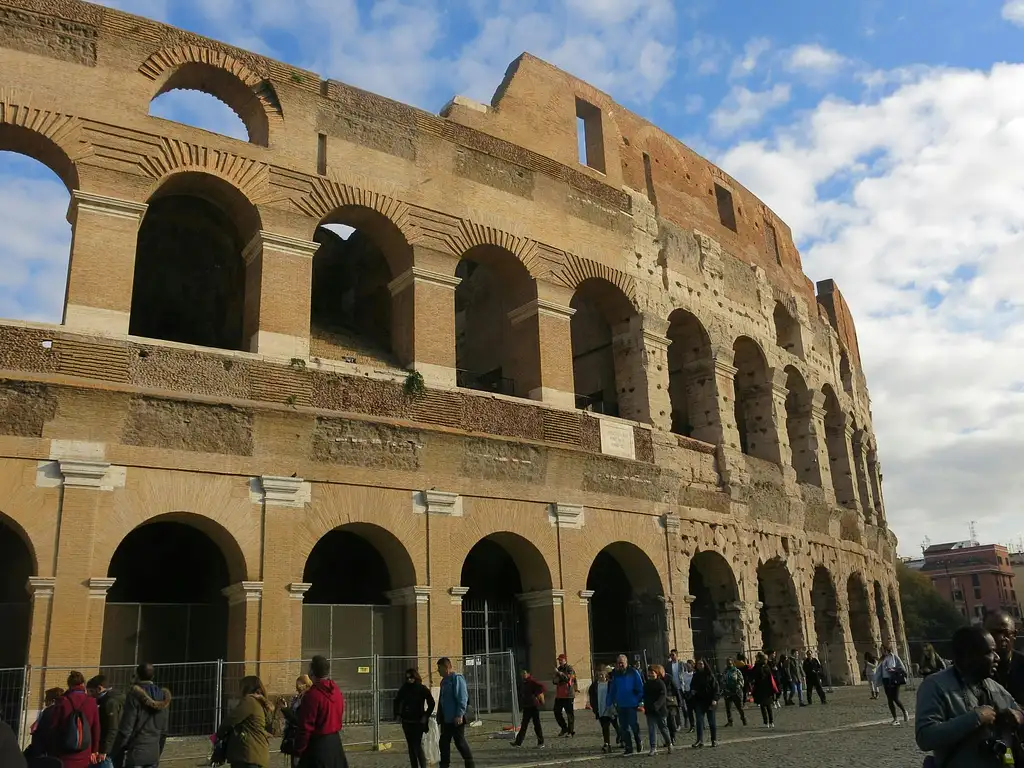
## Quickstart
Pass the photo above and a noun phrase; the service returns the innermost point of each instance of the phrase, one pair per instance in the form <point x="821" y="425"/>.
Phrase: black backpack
<point x="77" y="734"/>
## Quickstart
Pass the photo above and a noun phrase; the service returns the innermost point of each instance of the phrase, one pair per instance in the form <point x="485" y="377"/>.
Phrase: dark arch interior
<point x="626" y="614"/>
<point x="780" y="611"/>
<point x="689" y="345"/>
<point x="15" y="602"/>
<point x="189" y="283"/>
<point x="160" y="609"/>
<point x="600" y="308"/>
<point x="492" y="618"/>
<point x="860" y="615"/>
<point x="346" y="569"/>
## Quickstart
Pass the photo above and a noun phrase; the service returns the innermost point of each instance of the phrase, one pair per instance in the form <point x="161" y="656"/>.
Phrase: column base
<point x="553" y="397"/>
<point x="108" y="322"/>
<point x="279" y="345"/>
<point x="435" y="376"/>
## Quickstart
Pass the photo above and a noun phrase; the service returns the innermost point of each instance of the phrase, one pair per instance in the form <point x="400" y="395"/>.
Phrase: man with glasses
<point x="1010" y="671"/>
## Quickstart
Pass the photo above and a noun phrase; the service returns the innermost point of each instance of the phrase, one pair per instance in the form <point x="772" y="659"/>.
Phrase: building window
<point x="979" y="611"/>
<point x="955" y="582"/>
<point x="977" y="593"/>
<point x="772" y="239"/>
<point x="321" y="154"/>
<point x="589" y="135"/>
<point x="726" y="213"/>
<point x="649" y="180"/>
<point x="975" y="580"/>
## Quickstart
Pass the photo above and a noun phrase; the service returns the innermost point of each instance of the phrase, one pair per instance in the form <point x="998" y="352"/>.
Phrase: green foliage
<point x="414" y="386"/>
<point x="927" y="615"/>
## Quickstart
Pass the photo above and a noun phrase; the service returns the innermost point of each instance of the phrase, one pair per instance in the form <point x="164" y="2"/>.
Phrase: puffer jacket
<point x="143" y="728"/>
<point x="247" y="729"/>
<point x="626" y="688"/>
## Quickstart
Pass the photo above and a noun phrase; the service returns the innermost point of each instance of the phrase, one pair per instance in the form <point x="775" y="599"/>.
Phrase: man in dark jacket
<point x="565" y="695"/>
<point x="812" y="672"/>
<point x="1010" y="671"/>
<point x="321" y="713"/>
<point x="706" y="692"/>
<point x="10" y="752"/>
<point x="143" y="728"/>
<point x="111" y="705"/>
<point x="531" y="699"/>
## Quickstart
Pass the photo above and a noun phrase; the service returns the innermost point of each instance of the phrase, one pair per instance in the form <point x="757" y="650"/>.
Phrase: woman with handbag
<point x="245" y="733"/>
<point x="891" y="674"/>
<point x="290" y="711"/>
<point x="414" y="704"/>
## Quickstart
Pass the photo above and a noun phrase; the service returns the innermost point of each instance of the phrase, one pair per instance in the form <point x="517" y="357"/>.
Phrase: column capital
<point x="543" y="598"/>
<point x="457" y="593"/>
<point x="585" y="595"/>
<point x="419" y="275"/>
<point x="96" y="475"/>
<point x="243" y="592"/>
<point x="99" y="585"/>
<point x="569" y="516"/>
<point x="105" y="206"/>
<point x="298" y="589"/>
<point x="40" y="586"/>
<point x="415" y="595"/>
<point x="435" y="502"/>
<point x="269" y="241"/>
<point x="279" y="491"/>
<point x="670" y="521"/>
<point x="540" y="307"/>
<point x="724" y="367"/>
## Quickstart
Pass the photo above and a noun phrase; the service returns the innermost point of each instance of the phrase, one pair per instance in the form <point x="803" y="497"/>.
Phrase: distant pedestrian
<point x="321" y="715"/>
<point x="674" y="671"/>
<point x="931" y="662"/>
<point x="452" y="705"/>
<point x="764" y="688"/>
<point x="812" y="673"/>
<point x="531" y="699"/>
<point x="785" y="681"/>
<point x="796" y="676"/>
<point x="247" y="727"/>
<point x="672" y="701"/>
<point x="603" y="708"/>
<point x="290" y="711"/>
<point x="413" y="706"/>
<point x="891" y="674"/>
<point x="565" y="694"/>
<point x="111" y="706"/>
<point x="687" y="694"/>
<point x="870" y="666"/>
<point x="656" y="710"/>
<point x="733" y="692"/>
<point x="625" y="692"/>
<point x="706" y="692"/>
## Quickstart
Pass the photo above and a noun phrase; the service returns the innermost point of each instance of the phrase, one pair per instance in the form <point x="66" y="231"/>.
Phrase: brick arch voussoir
<point x="575" y="269"/>
<point x="478" y="229"/>
<point x="62" y="131"/>
<point x="328" y="194"/>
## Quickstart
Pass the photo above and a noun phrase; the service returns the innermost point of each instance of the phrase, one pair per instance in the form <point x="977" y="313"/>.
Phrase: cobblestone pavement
<point x="851" y="731"/>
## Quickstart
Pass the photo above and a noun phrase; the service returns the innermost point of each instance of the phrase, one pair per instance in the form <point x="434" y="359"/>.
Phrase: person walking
<point x="452" y="704"/>
<point x="785" y="681"/>
<point x="143" y="729"/>
<point x="247" y="727"/>
<point x="603" y="708"/>
<point x="674" y="671"/>
<point x="565" y="695"/>
<point x="672" y="701"/>
<point x="891" y="674"/>
<point x="321" y="715"/>
<point x="531" y="699"/>
<point x="625" y="692"/>
<point x="706" y="691"/>
<point x="413" y="706"/>
<point x="812" y="674"/>
<point x="764" y="688"/>
<point x="931" y="662"/>
<point x="656" y="709"/>
<point x="40" y="729"/>
<point x="75" y="703"/>
<point x="796" y="676"/>
<point x="687" y="679"/>
<point x="870" y="666"/>
<point x="733" y="688"/>
<point x="110" y="705"/>
<point x="290" y="711"/>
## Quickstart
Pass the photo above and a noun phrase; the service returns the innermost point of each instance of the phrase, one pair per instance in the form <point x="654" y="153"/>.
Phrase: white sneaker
<point x="653" y="752"/>
<point x="895" y="722"/>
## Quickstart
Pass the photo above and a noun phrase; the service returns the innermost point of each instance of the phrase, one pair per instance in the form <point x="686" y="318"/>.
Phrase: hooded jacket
<point x="320" y="713"/>
<point x="143" y="728"/>
<point x="111" y="705"/>
<point x="248" y="728"/>
<point x="626" y="688"/>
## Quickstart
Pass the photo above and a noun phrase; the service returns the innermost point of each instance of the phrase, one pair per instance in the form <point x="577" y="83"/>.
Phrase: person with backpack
<point x="143" y="730"/>
<point x="74" y="732"/>
<point x="111" y="705"/>
<point x="565" y="695"/>
<point x="246" y="730"/>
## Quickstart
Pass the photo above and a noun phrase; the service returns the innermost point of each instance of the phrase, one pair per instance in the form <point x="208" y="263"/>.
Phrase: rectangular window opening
<point x="726" y="213"/>
<point x="325" y="88"/>
<point x="649" y="178"/>
<point x="321" y="154"/>
<point x="589" y="136"/>
<point x="771" y="236"/>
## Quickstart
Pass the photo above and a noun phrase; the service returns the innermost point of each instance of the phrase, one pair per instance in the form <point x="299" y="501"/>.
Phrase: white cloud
<point x="743" y="108"/>
<point x="814" y="59"/>
<point x="925" y="244"/>
<point x="1013" y="12"/>
<point x="752" y="53"/>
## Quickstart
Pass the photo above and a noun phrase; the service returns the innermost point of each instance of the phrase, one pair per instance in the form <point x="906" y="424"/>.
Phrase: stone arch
<point x="394" y="558"/>
<point x="781" y="622"/>
<point x="715" y="617"/>
<point x="190" y="267"/>
<point x="838" y="443"/>
<point x="472" y="233"/>
<point x="190" y="67"/>
<point x="19" y="558"/>
<point x="627" y="607"/>
<point x="329" y="195"/>
<point x="787" y="330"/>
<point x="859" y="612"/>
<point x="494" y="352"/>
<point x="28" y="141"/>
<point x="690" y="359"/>
<point x="753" y="407"/>
<point x="885" y="628"/>
<point x="601" y="363"/>
<point x="828" y="628"/>
<point x="800" y="428"/>
<point x="845" y="372"/>
<point x="576" y="270"/>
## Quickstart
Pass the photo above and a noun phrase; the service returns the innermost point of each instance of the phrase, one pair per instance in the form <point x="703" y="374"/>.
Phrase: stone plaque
<point x="617" y="439"/>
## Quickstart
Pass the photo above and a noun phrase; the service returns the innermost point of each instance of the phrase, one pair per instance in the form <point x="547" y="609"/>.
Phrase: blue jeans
<point x="703" y="711"/>
<point x="798" y="691"/>
<point x="657" y="723"/>
<point x="107" y="763"/>
<point x="628" y="724"/>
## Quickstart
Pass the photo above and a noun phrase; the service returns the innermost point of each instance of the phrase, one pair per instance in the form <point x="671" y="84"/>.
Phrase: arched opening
<point x="838" y="449"/>
<point x="753" y="401"/>
<point x="799" y="428"/>
<point x="602" y="313"/>
<point x="493" y="351"/>
<point x="36" y="179"/>
<point x="845" y="372"/>
<point x="507" y="608"/>
<point x="715" y="618"/>
<point x="689" y="358"/>
<point x="190" y="273"/>
<point x="787" y="331"/>
<point x="348" y="610"/>
<point x="884" y="627"/>
<point x="351" y="307"/>
<point x="226" y="87"/>
<point x="15" y="616"/>
<point x="831" y="646"/>
<point x="199" y="110"/>
<point x="627" y="608"/>
<point x="860" y="616"/>
<point x="780" y="609"/>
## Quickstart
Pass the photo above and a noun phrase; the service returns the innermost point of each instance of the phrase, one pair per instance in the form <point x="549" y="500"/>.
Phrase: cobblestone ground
<point x="850" y="731"/>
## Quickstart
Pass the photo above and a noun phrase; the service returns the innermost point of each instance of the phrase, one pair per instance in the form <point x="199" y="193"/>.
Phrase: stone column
<point x="416" y="602"/>
<point x="244" y="600"/>
<point x="540" y="331"/>
<point x="684" y="640"/>
<point x="867" y="501"/>
<point x="101" y="272"/>
<point x="875" y="481"/>
<point x="98" y="588"/>
<point x="278" y="280"/>
<point x="845" y="662"/>
<point x="710" y="396"/>
<point x="764" y="411"/>
<point x="840" y="454"/>
<point x="809" y="451"/>
<point x="41" y="589"/>
<point x="541" y="607"/>
<point x="641" y="371"/>
<point x="576" y="609"/>
<point x="423" y="316"/>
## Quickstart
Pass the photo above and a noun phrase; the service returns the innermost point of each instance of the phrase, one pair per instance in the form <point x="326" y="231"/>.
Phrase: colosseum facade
<point x="557" y="383"/>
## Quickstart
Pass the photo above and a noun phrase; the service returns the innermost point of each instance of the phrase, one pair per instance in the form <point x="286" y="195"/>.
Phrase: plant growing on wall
<point x="414" y="386"/>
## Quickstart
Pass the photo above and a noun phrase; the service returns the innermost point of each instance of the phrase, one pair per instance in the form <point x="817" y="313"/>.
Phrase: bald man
<point x="1010" y="671"/>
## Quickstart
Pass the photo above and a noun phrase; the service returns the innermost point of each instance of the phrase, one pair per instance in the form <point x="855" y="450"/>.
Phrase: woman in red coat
<point x="74" y="700"/>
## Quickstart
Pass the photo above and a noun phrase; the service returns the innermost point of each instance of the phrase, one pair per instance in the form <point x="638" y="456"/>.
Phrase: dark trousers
<point x="564" y="715"/>
<point x="628" y="724"/>
<point x="767" y="712"/>
<point x="673" y="719"/>
<point x="700" y="713"/>
<point x="457" y="733"/>
<point x="734" y="700"/>
<point x="892" y="698"/>
<point x="814" y="684"/>
<point x="607" y="723"/>
<point x="530" y="715"/>
<point x="688" y="718"/>
<point x="656" y="723"/>
<point x="414" y="740"/>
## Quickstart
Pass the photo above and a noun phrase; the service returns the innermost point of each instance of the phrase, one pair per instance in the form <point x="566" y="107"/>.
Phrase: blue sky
<point x="889" y="135"/>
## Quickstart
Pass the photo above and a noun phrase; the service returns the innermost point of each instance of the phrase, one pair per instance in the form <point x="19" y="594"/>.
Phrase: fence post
<point x="515" y="690"/>
<point x="219" y="694"/>
<point x="26" y="684"/>
<point x="375" y="686"/>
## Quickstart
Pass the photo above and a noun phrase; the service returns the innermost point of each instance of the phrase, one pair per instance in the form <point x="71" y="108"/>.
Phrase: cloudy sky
<point x="890" y="135"/>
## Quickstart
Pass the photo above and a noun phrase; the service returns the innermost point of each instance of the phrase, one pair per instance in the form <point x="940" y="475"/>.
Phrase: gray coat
<point x="143" y="728"/>
<point x="947" y="725"/>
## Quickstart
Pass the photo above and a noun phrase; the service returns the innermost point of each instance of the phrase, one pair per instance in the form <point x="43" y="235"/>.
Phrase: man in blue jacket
<point x="625" y="692"/>
<point x="452" y="704"/>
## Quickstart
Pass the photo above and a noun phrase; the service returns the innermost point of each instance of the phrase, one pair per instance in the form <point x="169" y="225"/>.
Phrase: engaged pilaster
<point x="540" y="333"/>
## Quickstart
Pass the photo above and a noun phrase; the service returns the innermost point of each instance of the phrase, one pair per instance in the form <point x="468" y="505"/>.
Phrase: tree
<point x="927" y="615"/>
